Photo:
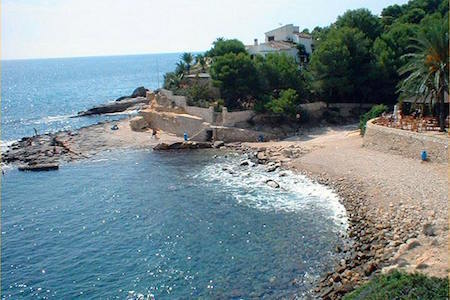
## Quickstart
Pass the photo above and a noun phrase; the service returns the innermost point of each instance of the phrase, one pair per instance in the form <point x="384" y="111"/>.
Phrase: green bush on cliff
<point x="285" y="104"/>
<point x="399" y="285"/>
<point x="374" y="112"/>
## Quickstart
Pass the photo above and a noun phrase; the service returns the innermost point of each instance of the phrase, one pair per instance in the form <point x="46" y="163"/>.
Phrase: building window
<point x="271" y="38"/>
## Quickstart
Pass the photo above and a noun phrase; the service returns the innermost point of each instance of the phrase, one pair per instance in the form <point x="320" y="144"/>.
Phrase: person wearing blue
<point x="186" y="138"/>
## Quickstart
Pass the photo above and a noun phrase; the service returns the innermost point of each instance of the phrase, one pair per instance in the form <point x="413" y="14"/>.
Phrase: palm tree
<point x="427" y="68"/>
<point x="200" y="59"/>
<point x="187" y="58"/>
<point x="181" y="68"/>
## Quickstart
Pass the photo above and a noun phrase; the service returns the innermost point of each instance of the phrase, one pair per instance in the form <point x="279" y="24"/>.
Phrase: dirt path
<point x="409" y="195"/>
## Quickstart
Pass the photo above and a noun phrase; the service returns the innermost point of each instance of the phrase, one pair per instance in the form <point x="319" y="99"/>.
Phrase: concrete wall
<point x="206" y="114"/>
<point x="233" y="134"/>
<point x="314" y="109"/>
<point x="406" y="143"/>
<point x="307" y="42"/>
<point x="176" y="123"/>
<point x="351" y="109"/>
<point x="167" y="98"/>
<point x="232" y="118"/>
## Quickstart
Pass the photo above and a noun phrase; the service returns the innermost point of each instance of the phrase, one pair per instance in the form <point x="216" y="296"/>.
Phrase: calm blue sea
<point x="172" y="224"/>
<point x="44" y="93"/>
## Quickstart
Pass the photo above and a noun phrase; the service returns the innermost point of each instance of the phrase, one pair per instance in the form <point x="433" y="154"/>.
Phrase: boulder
<point x="244" y="163"/>
<point x="39" y="167"/>
<point x="138" y="123"/>
<point x="139" y="92"/>
<point x="272" y="168"/>
<point x="182" y="145"/>
<point x="272" y="183"/>
<point x="428" y="229"/>
<point x="218" y="144"/>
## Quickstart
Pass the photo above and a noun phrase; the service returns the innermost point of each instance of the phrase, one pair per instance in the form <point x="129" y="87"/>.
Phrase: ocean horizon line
<point x="97" y="56"/>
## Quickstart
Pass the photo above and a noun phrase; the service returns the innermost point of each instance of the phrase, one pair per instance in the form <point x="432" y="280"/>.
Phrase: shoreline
<point x="387" y="235"/>
<point x="375" y="245"/>
<point x="362" y="254"/>
<point x="85" y="142"/>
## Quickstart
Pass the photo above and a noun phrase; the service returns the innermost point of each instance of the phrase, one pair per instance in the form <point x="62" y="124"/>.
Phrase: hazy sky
<point x="62" y="28"/>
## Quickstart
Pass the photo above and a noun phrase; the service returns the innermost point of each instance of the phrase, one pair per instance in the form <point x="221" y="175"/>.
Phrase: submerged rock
<point x="272" y="183"/>
<point x="39" y="167"/>
<point x="182" y="145"/>
<point x="218" y="144"/>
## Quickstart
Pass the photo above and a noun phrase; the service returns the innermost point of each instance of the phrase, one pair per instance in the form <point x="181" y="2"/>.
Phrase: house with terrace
<point x="284" y="39"/>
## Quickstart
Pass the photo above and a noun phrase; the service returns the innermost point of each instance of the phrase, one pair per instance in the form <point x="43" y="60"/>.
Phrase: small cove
<point x="173" y="224"/>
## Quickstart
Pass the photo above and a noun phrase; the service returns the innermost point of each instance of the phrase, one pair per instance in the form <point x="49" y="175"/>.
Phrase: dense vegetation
<point x="359" y="58"/>
<point x="402" y="286"/>
<point x="374" y="112"/>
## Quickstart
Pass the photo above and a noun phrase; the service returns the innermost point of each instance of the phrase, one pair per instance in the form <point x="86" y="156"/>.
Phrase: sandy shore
<point x="398" y="207"/>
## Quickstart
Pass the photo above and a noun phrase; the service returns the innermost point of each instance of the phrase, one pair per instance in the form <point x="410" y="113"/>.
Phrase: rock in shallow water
<point x="272" y="183"/>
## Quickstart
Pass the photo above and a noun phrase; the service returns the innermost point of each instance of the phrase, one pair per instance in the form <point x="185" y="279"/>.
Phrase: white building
<point x="282" y="40"/>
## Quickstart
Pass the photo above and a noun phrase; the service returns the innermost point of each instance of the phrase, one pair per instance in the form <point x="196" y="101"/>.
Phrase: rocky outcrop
<point x="39" y="167"/>
<point x="114" y="107"/>
<point x="183" y="145"/>
<point x="138" y="92"/>
<point x="138" y="123"/>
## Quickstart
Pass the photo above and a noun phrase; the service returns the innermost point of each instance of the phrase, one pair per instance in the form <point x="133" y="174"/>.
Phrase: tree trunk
<point x="441" y="111"/>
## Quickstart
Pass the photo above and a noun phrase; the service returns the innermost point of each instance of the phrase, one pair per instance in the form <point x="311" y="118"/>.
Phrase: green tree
<point x="278" y="71"/>
<point x="222" y="46"/>
<point x="389" y="49"/>
<point x="236" y="76"/>
<point x="363" y="20"/>
<point x="286" y="104"/>
<point x="414" y="15"/>
<point x="341" y="66"/>
<point x="187" y="59"/>
<point x="391" y="13"/>
<point x="427" y="68"/>
<point x="180" y="68"/>
<point x="172" y="81"/>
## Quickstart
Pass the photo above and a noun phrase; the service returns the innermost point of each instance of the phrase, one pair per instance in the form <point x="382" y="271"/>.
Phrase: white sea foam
<point x="296" y="193"/>
<point x="5" y="144"/>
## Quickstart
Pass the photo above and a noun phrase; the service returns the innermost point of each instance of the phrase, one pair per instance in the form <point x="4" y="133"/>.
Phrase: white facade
<point x="282" y="40"/>
<point x="285" y="33"/>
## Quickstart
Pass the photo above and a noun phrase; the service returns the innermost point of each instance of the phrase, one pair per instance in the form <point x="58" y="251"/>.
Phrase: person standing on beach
<point x="154" y="133"/>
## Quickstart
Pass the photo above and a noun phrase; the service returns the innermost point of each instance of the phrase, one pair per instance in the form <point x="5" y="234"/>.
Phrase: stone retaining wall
<point x="206" y="114"/>
<point x="232" y="118"/>
<point x="234" y="134"/>
<point x="177" y="124"/>
<point x="406" y="143"/>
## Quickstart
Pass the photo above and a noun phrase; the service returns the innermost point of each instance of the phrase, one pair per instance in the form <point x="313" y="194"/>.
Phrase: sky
<point x="72" y="28"/>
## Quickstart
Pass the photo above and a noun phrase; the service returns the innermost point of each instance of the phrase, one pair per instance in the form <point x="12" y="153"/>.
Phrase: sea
<point x="170" y="225"/>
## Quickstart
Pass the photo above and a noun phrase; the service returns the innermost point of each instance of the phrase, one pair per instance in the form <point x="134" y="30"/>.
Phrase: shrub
<point x="399" y="285"/>
<point x="284" y="105"/>
<point x="374" y="112"/>
<point x="172" y="81"/>
<point x="197" y="93"/>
